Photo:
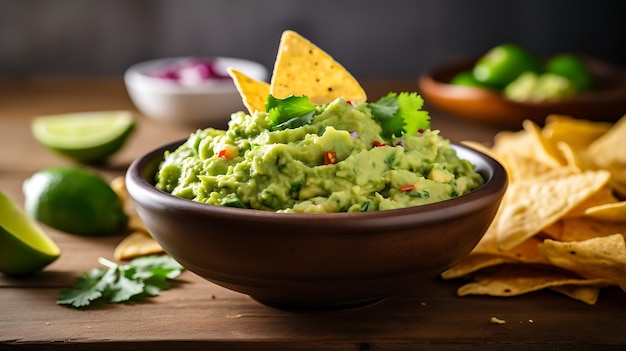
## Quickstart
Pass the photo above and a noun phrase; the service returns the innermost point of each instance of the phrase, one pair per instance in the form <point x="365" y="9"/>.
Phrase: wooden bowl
<point x="607" y="102"/>
<point x="316" y="261"/>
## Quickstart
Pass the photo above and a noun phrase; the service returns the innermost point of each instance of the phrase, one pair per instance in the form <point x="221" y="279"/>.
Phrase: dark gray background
<point x="372" y="38"/>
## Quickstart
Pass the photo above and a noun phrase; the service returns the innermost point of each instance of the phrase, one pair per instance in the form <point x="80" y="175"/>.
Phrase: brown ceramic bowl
<point x="607" y="102"/>
<point x="316" y="261"/>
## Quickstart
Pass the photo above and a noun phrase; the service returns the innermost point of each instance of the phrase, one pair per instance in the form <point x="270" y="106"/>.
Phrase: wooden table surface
<point x="197" y="314"/>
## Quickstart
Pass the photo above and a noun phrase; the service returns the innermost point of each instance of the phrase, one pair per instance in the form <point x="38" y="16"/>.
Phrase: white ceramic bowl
<point x="206" y="104"/>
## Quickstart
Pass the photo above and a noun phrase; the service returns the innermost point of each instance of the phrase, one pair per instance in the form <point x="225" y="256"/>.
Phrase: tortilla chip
<point x="135" y="224"/>
<point x="583" y="228"/>
<point x="578" y="134"/>
<point x="603" y="257"/>
<point x="486" y="254"/>
<point x="527" y="253"/>
<point x="515" y="143"/>
<point x="531" y="206"/>
<point x="481" y="147"/>
<point x="603" y="197"/>
<point x="118" y="184"/>
<point x="301" y="68"/>
<point x="523" y="167"/>
<point x="513" y="280"/>
<point x="543" y="150"/>
<point x="524" y="154"/>
<point x="611" y="212"/>
<point x="573" y="159"/>
<point x="474" y="263"/>
<point x="556" y="226"/>
<point x="582" y="293"/>
<point x="136" y="244"/>
<point x="254" y="93"/>
<point x="609" y="150"/>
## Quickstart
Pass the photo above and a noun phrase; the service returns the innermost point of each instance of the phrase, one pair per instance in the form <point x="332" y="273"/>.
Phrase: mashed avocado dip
<point x="339" y="160"/>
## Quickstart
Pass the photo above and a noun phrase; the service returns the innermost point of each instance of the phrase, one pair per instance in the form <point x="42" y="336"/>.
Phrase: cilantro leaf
<point x="290" y="112"/>
<point x="401" y="113"/>
<point x="410" y="108"/>
<point x="87" y="288"/>
<point x="385" y="112"/>
<point x="157" y="263"/>
<point x="124" y="287"/>
<point x="143" y="276"/>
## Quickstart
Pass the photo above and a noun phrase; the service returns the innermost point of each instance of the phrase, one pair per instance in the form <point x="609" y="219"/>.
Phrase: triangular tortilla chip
<point x="610" y="212"/>
<point x="486" y="254"/>
<point x="253" y="93"/>
<point x="609" y="150"/>
<point x="137" y="244"/>
<point x="302" y="68"/>
<point x="594" y="203"/>
<point x="583" y="293"/>
<point x="513" y="280"/>
<point x="544" y="151"/>
<point x="518" y="143"/>
<point x="583" y="228"/>
<point x="576" y="133"/>
<point x="603" y="257"/>
<point x="531" y="206"/>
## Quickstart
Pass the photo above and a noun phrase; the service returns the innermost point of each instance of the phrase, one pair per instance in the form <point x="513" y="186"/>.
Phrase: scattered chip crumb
<point x="496" y="320"/>
<point x="423" y="303"/>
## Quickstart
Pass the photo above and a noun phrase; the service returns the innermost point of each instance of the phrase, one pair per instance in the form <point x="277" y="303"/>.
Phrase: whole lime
<point x="466" y="78"/>
<point x="573" y="68"/>
<point x="503" y="64"/>
<point x="74" y="200"/>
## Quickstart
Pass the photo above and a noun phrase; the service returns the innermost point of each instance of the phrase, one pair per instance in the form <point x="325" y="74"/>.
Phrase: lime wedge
<point x="24" y="247"/>
<point x="87" y="137"/>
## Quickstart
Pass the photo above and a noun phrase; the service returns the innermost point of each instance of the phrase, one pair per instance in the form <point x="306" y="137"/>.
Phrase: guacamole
<point x="337" y="162"/>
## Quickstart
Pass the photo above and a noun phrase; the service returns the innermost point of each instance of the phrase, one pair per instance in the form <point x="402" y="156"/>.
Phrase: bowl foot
<point x="319" y="306"/>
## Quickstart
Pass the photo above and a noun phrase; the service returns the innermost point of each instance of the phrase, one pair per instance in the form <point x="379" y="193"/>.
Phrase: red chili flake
<point x="421" y="131"/>
<point x="377" y="143"/>
<point x="330" y="158"/>
<point x="407" y="187"/>
<point x="222" y="154"/>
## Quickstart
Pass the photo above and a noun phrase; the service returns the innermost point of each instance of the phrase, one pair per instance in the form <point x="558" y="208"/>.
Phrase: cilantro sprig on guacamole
<point x="400" y="113"/>
<point x="335" y="157"/>
<point x="396" y="113"/>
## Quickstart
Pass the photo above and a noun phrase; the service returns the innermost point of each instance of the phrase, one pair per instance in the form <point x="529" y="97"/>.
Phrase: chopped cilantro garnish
<point x="400" y="113"/>
<point x="143" y="276"/>
<point x="290" y="112"/>
<point x="232" y="200"/>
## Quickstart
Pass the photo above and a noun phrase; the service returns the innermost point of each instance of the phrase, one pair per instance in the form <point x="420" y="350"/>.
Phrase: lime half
<point x="88" y="137"/>
<point x="24" y="247"/>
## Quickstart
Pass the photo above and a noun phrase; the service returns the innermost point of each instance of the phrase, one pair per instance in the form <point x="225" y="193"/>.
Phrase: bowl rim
<point x="136" y="77"/>
<point x="496" y="182"/>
